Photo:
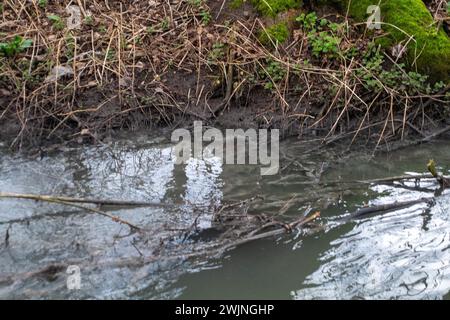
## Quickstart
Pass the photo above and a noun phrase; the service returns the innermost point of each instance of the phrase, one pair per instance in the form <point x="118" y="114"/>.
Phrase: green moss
<point x="273" y="7"/>
<point x="403" y="18"/>
<point x="274" y="34"/>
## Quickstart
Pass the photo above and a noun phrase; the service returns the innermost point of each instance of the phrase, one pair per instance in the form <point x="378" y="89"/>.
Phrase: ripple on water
<point x="400" y="255"/>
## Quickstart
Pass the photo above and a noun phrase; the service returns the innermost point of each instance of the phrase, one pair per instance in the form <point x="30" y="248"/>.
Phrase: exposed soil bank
<point x="79" y="71"/>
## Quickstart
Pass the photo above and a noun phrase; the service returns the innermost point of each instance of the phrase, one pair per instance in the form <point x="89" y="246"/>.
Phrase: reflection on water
<point x="402" y="254"/>
<point x="42" y="234"/>
<point x="203" y="185"/>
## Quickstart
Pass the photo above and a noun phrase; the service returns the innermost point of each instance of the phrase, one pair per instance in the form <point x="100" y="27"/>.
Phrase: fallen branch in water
<point x="436" y="134"/>
<point x="370" y="181"/>
<point x="105" y="202"/>
<point x="102" y="213"/>
<point x="218" y="213"/>
<point x="28" y="219"/>
<point x="58" y="200"/>
<point x="52" y="271"/>
<point x="285" y="228"/>
<point x="386" y="208"/>
<point x="398" y="178"/>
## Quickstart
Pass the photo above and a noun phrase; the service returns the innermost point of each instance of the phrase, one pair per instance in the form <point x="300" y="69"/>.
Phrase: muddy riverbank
<point x="78" y="73"/>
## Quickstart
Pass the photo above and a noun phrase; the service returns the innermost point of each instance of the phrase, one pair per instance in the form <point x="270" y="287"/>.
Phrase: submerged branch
<point x="387" y="207"/>
<point x="59" y="200"/>
<point x="398" y="178"/>
<point x="269" y="234"/>
<point x="105" y="202"/>
<point x="102" y="213"/>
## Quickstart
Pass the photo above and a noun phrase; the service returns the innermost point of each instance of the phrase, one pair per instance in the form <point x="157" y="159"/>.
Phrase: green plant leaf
<point x="54" y="18"/>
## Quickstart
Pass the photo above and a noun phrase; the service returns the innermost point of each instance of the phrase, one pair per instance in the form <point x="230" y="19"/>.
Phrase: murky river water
<point x="403" y="254"/>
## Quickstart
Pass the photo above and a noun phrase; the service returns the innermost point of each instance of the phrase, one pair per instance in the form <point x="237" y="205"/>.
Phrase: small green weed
<point x="206" y="17"/>
<point x="274" y="72"/>
<point x="43" y="3"/>
<point x="15" y="46"/>
<point x="217" y="53"/>
<point x="322" y="34"/>
<point x="56" y="21"/>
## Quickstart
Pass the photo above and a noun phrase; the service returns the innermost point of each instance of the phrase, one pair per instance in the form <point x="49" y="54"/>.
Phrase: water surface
<point x="402" y="254"/>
